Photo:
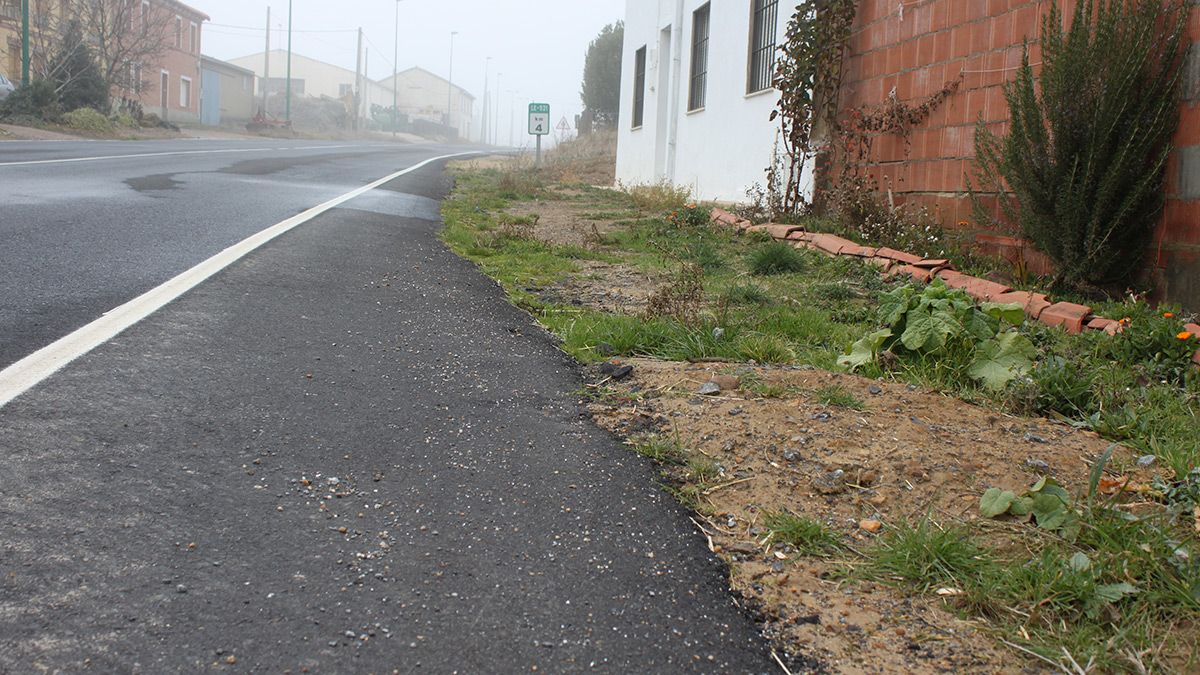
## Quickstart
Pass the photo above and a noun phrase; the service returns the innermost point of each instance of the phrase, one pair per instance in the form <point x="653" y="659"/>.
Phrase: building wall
<point x="424" y="95"/>
<point x="927" y="44"/>
<point x="181" y="65"/>
<point x="236" y="93"/>
<point x="320" y="78"/>
<point x="720" y="150"/>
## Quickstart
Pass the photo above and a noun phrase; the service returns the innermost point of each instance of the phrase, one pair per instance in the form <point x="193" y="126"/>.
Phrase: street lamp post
<point x="483" y="123"/>
<point x="288" y="103"/>
<point x="396" y="72"/>
<point x="496" y="107"/>
<point x="450" y="84"/>
<point x="24" y="43"/>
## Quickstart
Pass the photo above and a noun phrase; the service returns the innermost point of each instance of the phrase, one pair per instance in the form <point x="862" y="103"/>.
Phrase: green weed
<point x="807" y="536"/>
<point x="776" y="258"/>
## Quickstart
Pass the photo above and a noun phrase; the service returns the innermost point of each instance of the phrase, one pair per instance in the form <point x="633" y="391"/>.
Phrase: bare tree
<point x="122" y="35"/>
<point x="126" y="34"/>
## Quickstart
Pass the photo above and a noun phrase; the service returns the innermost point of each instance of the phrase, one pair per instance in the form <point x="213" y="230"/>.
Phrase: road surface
<point x="345" y="452"/>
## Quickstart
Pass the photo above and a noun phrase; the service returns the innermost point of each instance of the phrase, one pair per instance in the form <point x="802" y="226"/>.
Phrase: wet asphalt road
<point x="82" y="237"/>
<point x="345" y="453"/>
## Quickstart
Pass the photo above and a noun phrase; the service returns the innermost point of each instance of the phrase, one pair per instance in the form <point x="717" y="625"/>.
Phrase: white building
<point x="311" y="77"/>
<point x="425" y="96"/>
<point x="696" y="93"/>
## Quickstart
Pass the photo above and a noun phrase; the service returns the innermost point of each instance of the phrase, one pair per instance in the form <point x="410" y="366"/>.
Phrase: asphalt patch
<point x="345" y="453"/>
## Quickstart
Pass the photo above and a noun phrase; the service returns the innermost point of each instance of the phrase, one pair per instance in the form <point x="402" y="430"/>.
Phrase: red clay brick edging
<point x="1070" y="316"/>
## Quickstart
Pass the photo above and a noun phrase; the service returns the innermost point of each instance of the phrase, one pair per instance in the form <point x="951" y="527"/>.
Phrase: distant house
<point x="314" y="78"/>
<point x="425" y="96"/>
<point x="226" y="93"/>
<point x="697" y="94"/>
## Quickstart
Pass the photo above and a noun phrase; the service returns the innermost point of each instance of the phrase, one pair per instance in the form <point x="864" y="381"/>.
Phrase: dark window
<point x="762" y="45"/>
<point x="639" y="87"/>
<point x="699" y="82"/>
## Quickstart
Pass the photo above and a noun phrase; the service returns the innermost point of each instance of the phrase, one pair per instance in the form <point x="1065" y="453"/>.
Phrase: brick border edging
<point x="1070" y="316"/>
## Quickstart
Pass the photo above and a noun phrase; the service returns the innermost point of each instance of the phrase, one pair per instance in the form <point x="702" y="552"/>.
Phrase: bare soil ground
<point x="908" y="453"/>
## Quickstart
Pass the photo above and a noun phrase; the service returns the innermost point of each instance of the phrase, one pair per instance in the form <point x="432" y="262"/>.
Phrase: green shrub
<point x="1086" y="155"/>
<point x="690" y="216"/>
<point x="1155" y="342"/>
<point x="943" y="331"/>
<point x="776" y="258"/>
<point x="76" y="75"/>
<point x="1062" y="386"/>
<point x="35" y="101"/>
<point x="87" y="119"/>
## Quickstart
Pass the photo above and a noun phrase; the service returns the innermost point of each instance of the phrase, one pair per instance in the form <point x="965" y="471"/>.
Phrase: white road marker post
<point x="539" y="124"/>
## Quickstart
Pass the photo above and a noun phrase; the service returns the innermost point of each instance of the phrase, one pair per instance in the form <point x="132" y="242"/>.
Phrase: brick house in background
<point x="171" y="85"/>
<point x="914" y="47"/>
<point x="166" y="84"/>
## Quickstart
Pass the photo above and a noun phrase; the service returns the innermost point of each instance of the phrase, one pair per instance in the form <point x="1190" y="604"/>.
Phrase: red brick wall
<point x="920" y="48"/>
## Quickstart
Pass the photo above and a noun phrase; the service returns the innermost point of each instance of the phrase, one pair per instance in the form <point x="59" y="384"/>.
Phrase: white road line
<point x="33" y="369"/>
<point x="73" y="160"/>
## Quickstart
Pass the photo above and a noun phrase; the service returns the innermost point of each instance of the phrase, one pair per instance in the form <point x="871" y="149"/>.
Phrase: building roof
<point x="179" y="6"/>
<point x="418" y="69"/>
<point x="205" y="59"/>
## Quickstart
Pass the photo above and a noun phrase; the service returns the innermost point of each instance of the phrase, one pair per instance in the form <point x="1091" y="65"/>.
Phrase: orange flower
<point x="1169" y="315"/>
<point x="1184" y="336"/>
<point x="1124" y="322"/>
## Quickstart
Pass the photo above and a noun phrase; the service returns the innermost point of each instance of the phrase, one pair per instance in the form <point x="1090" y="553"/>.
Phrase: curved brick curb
<point x="1068" y="315"/>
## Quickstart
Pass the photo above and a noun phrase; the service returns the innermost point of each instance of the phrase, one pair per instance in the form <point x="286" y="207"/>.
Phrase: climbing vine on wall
<point x="808" y="75"/>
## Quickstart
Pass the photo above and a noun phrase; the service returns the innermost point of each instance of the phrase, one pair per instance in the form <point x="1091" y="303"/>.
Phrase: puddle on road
<point x="154" y="183"/>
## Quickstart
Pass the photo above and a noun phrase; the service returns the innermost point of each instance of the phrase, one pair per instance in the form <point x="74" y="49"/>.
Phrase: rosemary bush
<point x="1086" y="154"/>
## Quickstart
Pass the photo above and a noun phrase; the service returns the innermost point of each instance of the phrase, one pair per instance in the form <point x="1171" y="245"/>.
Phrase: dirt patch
<point x="561" y="222"/>
<point x="906" y="454"/>
<point x="608" y="287"/>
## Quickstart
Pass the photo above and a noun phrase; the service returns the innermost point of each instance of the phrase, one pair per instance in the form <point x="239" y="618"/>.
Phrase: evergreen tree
<point x="75" y="74"/>
<point x="1086" y="154"/>
<point x="601" y="91"/>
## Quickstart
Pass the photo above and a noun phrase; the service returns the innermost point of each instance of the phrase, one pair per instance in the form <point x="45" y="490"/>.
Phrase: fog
<point x="536" y="47"/>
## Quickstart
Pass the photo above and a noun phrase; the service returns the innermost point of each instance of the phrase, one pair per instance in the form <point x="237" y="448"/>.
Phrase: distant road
<point x="86" y="226"/>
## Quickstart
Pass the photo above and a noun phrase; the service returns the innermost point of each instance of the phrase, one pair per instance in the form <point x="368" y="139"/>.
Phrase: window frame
<point x="185" y="85"/>
<point x="639" y="88"/>
<point x="760" y="62"/>
<point x="698" y="71"/>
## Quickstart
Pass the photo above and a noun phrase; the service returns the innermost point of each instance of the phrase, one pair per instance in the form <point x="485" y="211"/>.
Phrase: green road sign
<point x="539" y="119"/>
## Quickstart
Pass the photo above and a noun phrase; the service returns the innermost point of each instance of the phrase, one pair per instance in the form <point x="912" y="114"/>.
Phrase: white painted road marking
<point x="27" y="373"/>
<point x="73" y="160"/>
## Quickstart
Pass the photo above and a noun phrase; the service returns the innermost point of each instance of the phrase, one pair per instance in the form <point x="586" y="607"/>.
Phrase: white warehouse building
<point x="697" y="94"/>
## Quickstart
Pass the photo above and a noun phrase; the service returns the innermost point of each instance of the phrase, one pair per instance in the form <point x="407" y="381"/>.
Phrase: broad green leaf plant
<point x="937" y="323"/>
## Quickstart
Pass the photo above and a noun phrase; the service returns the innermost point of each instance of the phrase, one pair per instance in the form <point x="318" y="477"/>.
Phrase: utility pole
<point x="483" y="123"/>
<point x="450" y="84"/>
<point x="24" y="43"/>
<point x="358" y="81"/>
<point x="288" y="110"/>
<point x="267" y="65"/>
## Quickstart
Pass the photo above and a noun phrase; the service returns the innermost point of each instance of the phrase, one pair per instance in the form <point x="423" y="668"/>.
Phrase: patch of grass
<point x="702" y="470"/>
<point x="926" y="556"/>
<point x="776" y="258"/>
<point x="662" y="449"/>
<point x="658" y="197"/>
<point x="746" y="294"/>
<point x="838" y="396"/>
<point x="807" y="536"/>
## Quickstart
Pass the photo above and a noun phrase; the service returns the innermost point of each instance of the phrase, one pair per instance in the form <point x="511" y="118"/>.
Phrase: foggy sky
<point x="538" y="45"/>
